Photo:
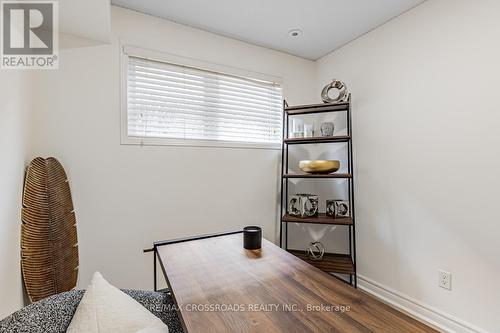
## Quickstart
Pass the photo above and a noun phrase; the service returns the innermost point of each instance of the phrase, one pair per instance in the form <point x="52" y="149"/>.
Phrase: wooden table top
<point x="221" y="287"/>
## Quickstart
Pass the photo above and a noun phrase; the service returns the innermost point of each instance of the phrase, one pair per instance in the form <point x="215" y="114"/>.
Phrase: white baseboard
<point x="439" y="320"/>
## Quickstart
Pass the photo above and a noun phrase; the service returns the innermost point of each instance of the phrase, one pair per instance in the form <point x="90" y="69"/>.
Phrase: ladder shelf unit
<point x="339" y="263"/>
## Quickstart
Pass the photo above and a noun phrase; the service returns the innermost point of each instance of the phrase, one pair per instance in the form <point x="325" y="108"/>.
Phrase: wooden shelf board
<point x="318" y="139"/>
<point x="317" y="108"/>
<point x="322" y="218"/>
<point x="331" y="263"/>
<point x="308" y="175"/>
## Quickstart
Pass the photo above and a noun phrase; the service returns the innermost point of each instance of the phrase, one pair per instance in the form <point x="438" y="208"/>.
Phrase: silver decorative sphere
<point x="315" y="251"/>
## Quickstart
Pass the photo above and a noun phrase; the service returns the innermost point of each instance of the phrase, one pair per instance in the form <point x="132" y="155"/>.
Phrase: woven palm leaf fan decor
<point x="49" y="244"/>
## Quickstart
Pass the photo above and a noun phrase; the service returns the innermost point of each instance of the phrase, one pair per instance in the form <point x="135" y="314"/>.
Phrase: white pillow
<point x="104" y="308"/>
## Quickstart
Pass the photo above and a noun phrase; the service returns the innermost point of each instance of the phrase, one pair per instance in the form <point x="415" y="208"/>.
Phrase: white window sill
<point x="137" y="141"/>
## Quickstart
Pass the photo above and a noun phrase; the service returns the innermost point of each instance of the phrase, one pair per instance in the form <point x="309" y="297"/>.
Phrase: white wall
<point x="127" y="197"/>
<point x="426" y="115"/>
<point x="14" y="149"/>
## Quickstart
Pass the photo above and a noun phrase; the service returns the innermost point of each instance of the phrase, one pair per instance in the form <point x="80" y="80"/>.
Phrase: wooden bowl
<point x="319" y="166"/>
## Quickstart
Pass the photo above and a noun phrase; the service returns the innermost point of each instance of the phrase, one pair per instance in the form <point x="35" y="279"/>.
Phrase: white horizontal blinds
<point x="171" y="101"/>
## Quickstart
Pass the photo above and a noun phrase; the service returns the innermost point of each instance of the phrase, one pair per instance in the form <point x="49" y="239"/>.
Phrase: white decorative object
<point x="337" y="208"/>
<point x="106" y="309"/>
<point x="303" y="205"/>
<point x="343" y="95"/>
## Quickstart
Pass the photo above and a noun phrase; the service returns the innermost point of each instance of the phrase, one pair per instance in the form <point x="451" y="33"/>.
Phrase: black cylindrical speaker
<point x="252" y="238"/>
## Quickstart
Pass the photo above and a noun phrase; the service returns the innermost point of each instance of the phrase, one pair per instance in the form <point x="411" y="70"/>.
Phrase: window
<point x="168" y="103"/>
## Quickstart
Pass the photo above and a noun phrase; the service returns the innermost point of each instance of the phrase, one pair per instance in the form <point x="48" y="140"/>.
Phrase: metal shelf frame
<point x="349" y="176"/>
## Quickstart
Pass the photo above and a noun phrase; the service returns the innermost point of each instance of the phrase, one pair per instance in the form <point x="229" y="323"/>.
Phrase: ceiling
<point x="74" y="18"/>
<point x="325" y="24"/>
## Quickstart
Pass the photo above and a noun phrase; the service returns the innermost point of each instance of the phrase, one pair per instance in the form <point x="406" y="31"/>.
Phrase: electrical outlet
<point x="444" y="279"/>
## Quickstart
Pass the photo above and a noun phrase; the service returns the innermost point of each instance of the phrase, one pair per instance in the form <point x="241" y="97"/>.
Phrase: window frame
<point x="127" y="51"/>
